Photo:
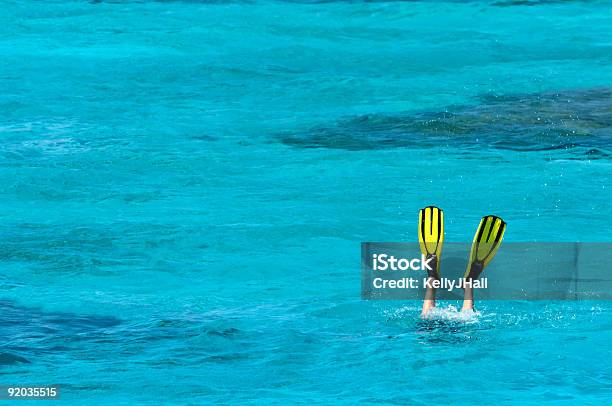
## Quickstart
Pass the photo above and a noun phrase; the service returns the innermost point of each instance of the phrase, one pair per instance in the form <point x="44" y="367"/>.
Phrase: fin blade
<point x="487" y="240"/>
<point x="498" y="234"/>
<point x="483" y="245"/>
<point x="431" y="230"/>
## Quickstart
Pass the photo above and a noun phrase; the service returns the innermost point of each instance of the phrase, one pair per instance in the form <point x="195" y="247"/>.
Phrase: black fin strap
<point x="433" y="272"/>
<point x="475" y="270"/>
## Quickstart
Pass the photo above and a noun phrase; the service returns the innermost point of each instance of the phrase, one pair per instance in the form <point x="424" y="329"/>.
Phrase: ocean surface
<point x="184" y="187"/>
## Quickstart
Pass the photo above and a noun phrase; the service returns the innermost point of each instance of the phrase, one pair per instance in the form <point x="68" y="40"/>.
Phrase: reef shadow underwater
<point x="578" y="120"/>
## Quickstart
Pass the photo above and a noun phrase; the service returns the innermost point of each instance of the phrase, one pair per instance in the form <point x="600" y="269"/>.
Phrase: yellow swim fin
<point x="486" y="242"/>
<point x="431" y="237"/>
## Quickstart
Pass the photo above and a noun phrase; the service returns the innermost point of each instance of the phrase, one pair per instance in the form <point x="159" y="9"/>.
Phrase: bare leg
<point x="430" y="300"/>
<point x="468" y="300"/>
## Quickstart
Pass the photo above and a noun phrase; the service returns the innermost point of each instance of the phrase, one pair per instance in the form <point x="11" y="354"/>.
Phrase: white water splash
<point x="444" y="313"/>
<point x="451" y="313"/>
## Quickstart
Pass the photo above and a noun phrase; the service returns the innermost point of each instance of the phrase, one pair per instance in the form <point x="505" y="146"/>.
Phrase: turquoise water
<point x="185" y="186"/>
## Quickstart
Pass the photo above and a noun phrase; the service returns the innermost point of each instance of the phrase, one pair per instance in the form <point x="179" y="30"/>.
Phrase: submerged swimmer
<point x="486" y="242"/>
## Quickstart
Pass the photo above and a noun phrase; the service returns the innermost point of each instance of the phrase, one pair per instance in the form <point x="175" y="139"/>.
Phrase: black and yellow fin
<point x="431" y="236"/>
<point x="486" y="242"/>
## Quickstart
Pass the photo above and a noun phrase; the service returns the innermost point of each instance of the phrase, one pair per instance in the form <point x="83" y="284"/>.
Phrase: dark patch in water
<point x="203" y="137"/>
<point x="226" y="358"/>
<point x="446" y="331"/>
<point x="580" y="121"/>
<point x="512" y="3"/>
<point x="227" y="333"/>
<point x="45" y="332"/>
<point x="10" y="359"/>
